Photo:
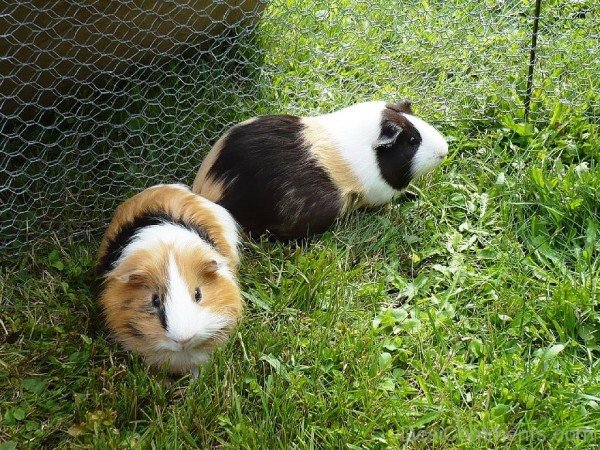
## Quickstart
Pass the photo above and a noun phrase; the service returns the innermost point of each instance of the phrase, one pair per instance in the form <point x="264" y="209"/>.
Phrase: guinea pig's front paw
<point x="194" y="372"/>
<point x="408" y="196"/>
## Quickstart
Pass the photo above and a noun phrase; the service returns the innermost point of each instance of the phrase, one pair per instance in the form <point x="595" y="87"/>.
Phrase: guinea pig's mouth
<point x="198" y="344"/>
<point x="423" y="164"/>
<point x="178" y="347"/>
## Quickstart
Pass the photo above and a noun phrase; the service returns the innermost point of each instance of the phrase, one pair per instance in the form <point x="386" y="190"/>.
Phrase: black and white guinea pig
<point x="167" y="268"/>
<point x="293" y="176"/>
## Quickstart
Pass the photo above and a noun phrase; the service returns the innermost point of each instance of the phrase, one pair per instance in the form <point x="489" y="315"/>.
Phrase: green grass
<point x="465" y="318"/>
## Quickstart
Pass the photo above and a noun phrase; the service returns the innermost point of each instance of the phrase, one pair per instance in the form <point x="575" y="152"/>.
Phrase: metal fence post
<point x="532" y="56"/>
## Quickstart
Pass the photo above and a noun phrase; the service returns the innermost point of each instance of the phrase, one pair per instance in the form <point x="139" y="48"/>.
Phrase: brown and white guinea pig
<point x="167" y="268"/>
<point x="293" y="176"/>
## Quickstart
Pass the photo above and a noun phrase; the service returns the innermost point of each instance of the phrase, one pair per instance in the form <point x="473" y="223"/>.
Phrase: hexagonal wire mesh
<point x="99" y="99"/>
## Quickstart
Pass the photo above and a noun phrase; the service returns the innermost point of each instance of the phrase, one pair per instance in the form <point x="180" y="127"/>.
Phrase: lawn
<point x="463" y="315"/>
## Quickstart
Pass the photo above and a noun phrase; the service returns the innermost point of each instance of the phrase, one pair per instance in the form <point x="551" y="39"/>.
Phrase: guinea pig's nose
<point x="442" y="153"/>
<point x="182" y="342"/>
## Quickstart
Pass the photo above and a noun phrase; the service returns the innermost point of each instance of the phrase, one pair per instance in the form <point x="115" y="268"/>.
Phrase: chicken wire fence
<point x="99" y="98"/>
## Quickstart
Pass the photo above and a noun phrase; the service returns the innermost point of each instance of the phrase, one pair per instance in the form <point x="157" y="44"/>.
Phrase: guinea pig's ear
<point x="402" y="107"/>
<point x="211" y="267"/>
<point x="389" y="133"/>
<point x="135" y="277"/>
<point x="405" y="106"/>
<point x="130" y="274"/>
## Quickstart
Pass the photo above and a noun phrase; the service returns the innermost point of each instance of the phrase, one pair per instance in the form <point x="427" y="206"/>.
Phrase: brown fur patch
<point x="326" y="153"/>
<point x="219" y="293"/>
<point x="141" y="268"/>
<point x="139" y="311"/>
<point x="205" y="185"/>
<point x="211" y="189"/>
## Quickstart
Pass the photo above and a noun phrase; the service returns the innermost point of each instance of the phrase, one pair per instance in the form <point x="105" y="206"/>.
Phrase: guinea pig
<point x="293" y="176"/>
<point x="167" y="276"/>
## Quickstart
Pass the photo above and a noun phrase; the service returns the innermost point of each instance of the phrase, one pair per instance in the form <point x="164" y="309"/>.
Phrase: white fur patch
<point x="186" y="319"/>
<point x="355" y="130"/>
<point x="189" y="325"/>
<point x="178" y="361"/>
<point x="433" y="148"/>
<point x="164" y="233"/>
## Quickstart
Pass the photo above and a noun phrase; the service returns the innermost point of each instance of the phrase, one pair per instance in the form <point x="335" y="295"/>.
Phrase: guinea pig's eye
<point x="412" y="140"/>
<point x="197" y="295"/>
<point x="156" y="301"/>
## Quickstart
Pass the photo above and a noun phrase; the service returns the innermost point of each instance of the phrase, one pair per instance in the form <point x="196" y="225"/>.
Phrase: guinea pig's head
<point x="407" y="146"/>
<point x="172" y="302"/>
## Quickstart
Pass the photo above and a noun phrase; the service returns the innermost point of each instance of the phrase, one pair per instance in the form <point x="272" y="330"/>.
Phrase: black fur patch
<point x="159" y="312"/>
<point x="162" y="316"/>
<point x="395" y="161"/>
<point x="273" y="183"/>
<point x="123" y="237"/>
